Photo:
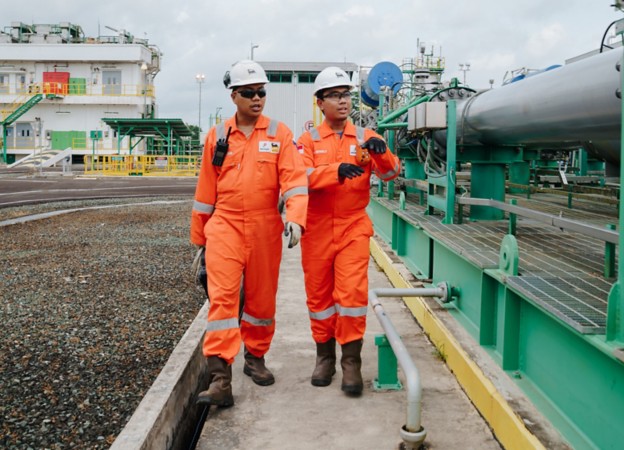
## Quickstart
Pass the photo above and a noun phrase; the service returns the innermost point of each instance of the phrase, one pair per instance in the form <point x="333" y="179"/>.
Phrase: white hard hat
<point x="243" y="73"/>
<point x="331" y="77"/>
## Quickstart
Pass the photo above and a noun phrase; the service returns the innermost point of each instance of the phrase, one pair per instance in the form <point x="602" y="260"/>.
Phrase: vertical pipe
<point x="451" y="161"/>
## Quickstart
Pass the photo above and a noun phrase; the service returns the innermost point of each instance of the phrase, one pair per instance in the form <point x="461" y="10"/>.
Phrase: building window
<point x="280" y="77"/>
<point x="111" y="79"/>
<point x="306" y="77"/>
<point x="4" y="83"/>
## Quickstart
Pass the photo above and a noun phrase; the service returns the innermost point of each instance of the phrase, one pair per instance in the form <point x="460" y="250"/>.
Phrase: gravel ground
<point x="93" y="303"/>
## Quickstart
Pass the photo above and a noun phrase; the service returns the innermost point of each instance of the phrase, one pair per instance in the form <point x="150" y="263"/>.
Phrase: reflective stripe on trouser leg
<point x="351" y="291"/>
<point x="261" y="275"/>
<point x="224" y="267"/>
<point x="317" y="261"/>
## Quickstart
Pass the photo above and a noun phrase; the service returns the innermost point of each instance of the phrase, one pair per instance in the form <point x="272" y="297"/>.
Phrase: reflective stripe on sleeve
<point x="224" y="324"/>
<point x="309" y="170"/>
<point x="389" y="174"/>
<point x="220" y="131"/>
<point x="272" y="129"/>
<point x="301" y="190"/>
<point x="359" y="135"/>
<point x="351" y="312"/>
<point x="323" y="314"/>
<point x="205" y="208"/>
<point x="316" y="136"/>
<point x="255" y="321"/>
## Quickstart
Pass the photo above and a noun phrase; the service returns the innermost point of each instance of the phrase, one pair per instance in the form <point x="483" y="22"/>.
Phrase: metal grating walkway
<point x="579" y="301"/>
<point x="560" y="271"/>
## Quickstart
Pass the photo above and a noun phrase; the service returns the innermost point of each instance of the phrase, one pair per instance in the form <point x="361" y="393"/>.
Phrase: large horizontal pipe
<point x="567" y="107"/>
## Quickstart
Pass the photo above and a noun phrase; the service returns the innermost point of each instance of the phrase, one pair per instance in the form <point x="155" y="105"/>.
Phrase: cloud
<point x="547" y="39"/>
<point x="351" y="14"/>
<point x="182" y="17"/>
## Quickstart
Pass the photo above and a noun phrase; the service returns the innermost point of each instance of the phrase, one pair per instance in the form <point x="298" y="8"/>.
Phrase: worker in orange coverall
<point x="235" y="217"/>
<point x="340" y="159"/>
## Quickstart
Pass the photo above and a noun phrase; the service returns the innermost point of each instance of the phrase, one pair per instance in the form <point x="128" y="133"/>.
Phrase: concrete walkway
<point x="293" y="414"/>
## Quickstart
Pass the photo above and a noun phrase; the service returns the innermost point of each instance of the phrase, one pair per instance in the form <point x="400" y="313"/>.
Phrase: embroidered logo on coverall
<point x="268" y="147"/>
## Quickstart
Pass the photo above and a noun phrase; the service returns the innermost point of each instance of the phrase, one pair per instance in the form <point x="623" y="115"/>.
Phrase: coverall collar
<point x="325" y="130"/>
<point x="262" y="123"/>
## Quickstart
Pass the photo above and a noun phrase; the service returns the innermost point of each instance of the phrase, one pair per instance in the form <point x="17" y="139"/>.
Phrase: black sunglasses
<point x="250" y="93"/>
<point x="337" y="96"/>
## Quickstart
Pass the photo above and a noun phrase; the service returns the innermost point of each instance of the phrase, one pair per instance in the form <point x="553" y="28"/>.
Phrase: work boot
<point x="255" y="368"/>
<point x="219" y="392"/>
<point x="325" y="363"/>
<point x="351" y="363"/>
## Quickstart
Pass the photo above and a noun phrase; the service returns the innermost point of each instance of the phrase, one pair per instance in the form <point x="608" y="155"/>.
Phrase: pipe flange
<point x="444" y="287"/>
<point x="412" y="440"/>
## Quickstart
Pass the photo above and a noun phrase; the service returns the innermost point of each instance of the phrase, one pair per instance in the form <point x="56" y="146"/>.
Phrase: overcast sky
<point x="207" y="36"/>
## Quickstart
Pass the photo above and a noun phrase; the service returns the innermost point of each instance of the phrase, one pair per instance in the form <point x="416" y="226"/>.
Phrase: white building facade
<point x="73" y="82"/>
<point x="290" y="92"/>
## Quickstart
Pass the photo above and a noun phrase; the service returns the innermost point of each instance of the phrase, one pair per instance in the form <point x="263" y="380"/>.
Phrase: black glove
<point x="346" y="170"/>
<point x="375" y="145"/>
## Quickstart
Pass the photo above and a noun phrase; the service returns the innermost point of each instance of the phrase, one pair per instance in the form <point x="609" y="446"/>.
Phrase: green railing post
<point x="386" y="366"/>
<point x="512" y="218"/>
<point x="4" y="144"/>
<point x="609" y="265"/>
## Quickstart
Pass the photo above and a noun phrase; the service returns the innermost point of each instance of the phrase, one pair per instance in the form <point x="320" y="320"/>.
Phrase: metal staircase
<point x="18" y="108"/>
<point x="15" y="110"/>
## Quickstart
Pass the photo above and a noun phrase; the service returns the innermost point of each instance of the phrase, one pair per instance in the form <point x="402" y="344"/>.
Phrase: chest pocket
<point x="322" y="156"/>
<point x="266" y="160"/>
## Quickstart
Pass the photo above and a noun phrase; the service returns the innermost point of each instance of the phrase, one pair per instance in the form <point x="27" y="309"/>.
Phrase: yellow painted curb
<point x="507" y="426"/>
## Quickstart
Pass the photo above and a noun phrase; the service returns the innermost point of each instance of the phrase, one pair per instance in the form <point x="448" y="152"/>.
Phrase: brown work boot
<point x="219" y="392"/>
<point x="351" y="363"/>
<point x="325" y="363"/>
<point x="255" y="368"/>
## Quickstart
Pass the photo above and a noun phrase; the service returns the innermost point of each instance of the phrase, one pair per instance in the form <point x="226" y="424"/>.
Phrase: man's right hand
<point x="346" y="170"/>
<point x="198" y="267"/>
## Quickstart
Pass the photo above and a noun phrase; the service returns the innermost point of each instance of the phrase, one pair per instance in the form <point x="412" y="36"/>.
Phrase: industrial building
<point x="76" y="83"/>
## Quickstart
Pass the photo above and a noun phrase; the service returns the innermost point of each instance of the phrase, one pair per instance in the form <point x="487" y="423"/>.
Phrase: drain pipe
<point x="412" y="433"/>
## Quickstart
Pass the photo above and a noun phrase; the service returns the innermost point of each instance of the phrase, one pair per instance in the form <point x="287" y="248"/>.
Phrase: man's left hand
<point x="375" y="145"/>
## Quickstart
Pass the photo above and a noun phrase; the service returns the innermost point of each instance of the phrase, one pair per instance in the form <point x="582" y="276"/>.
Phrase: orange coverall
<point x="335" y="246"/>
<point x="235" y="216"/>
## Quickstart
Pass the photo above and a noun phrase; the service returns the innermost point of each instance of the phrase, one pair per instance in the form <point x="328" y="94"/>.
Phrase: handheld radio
<point x="221" y="150"/>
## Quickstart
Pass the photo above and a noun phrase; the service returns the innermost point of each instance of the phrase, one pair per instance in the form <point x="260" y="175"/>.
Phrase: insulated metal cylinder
<point x="567" y="107"/>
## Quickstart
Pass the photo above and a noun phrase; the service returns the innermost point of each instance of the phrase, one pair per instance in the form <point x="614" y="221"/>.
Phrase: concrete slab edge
<point x="168" y="404"/>
<point x="504" y="422"/>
